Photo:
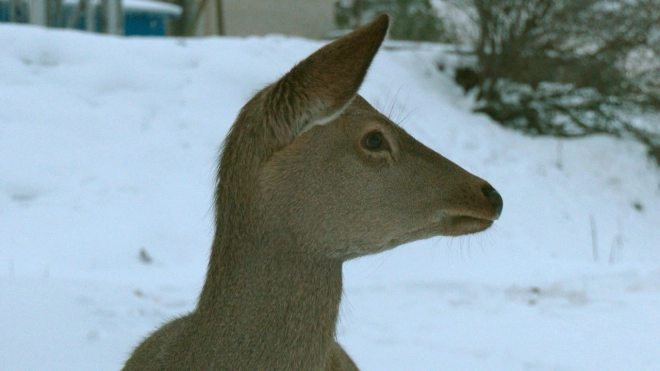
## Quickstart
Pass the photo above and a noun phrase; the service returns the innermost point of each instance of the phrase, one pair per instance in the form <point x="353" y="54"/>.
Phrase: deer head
<point x="317" y="163"/>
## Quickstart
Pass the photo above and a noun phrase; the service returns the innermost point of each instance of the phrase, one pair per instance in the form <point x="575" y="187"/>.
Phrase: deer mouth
<point x="450" y="224"/>
<point x="447" y="225"/>
<point x="461" y="225"/>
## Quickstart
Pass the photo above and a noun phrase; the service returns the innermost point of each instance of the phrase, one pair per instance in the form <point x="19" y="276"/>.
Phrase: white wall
<point x="307" y="18"/>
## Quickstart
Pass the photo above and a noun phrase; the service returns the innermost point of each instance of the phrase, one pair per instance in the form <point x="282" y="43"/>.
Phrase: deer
<point x="309" y="177"/>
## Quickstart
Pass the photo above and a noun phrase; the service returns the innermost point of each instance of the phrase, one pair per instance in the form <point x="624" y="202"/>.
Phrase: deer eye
<point x="374" y="140"/>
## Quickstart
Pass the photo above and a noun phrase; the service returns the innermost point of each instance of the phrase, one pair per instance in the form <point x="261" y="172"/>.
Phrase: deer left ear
<point x="317" y="89"/>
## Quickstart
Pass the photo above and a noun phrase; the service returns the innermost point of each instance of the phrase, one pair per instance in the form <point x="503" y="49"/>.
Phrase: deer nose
<point x="494" y="198"/>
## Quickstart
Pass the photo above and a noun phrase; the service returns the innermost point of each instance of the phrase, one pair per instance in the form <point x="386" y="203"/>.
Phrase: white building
<point x="307" y="18"/>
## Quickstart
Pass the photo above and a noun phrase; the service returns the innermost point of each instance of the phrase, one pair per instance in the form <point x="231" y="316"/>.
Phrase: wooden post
<point x="38" y="12"/>
<point x="13" y="10"/>
<point x="201" y="8"/>
<point x="220" y="17"/>
<point x="114" y="14"/>
<point x="90" y="16"/>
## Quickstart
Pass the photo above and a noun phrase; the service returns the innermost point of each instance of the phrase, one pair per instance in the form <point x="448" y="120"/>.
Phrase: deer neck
<point x="262" y="297"/>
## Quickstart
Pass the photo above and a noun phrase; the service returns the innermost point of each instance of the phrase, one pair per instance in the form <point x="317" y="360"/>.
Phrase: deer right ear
<point x="318" y="89"/>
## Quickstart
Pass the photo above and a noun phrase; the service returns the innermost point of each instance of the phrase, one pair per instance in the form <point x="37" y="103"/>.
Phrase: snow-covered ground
<point x="108" y="148"/>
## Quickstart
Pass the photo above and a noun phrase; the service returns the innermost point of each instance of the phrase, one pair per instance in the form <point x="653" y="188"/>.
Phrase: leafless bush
<point x="571" y="68"/>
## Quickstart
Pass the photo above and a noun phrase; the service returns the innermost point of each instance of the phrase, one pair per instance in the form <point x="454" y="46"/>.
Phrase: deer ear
<point x="317" y="89"/>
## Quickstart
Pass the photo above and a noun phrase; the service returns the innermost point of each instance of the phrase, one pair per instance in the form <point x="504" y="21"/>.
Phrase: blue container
<point x="148" y="18"/>
<point x="145" y="24"/>
<point x="141" y="17"/>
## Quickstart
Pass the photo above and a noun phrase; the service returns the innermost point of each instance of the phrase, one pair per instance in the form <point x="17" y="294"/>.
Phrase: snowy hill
<point x="108" y="148"/>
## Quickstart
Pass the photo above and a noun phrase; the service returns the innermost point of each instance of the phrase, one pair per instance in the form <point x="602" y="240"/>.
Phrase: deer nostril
<point x="494" y="198"/>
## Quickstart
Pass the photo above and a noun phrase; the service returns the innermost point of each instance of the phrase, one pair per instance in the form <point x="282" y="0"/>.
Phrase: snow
<point x="142" y="6"/>
<point x="151" y="6"/>
<point x="108" y="146"/>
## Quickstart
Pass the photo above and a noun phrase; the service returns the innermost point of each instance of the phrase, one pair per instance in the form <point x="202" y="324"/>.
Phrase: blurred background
<point x="560" y="68"/>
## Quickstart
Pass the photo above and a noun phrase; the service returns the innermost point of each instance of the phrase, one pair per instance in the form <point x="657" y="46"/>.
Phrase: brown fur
<point x="298" y="194"/>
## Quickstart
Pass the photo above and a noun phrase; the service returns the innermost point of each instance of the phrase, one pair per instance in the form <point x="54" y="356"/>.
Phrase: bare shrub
<point x="571" y="68"/>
